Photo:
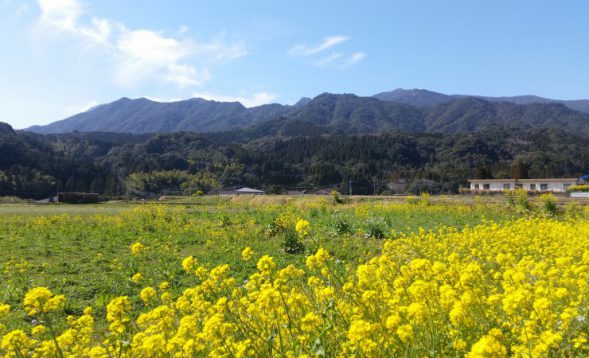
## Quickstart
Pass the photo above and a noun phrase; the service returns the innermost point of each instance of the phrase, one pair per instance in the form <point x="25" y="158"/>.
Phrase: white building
<point x="552" y="184"/>
<point x="249" y="191"/>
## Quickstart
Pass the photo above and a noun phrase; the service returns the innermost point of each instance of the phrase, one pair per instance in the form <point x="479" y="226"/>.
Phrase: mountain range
<point x="411" y="111"/>
<point x="425" y="98"/>
<point x="433" y="142"/>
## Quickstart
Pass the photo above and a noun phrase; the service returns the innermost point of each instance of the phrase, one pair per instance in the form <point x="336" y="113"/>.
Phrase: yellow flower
<point x="189" y="263"/>
<point x="318" y="260"/>
<point x="303" y="228"/>
<point x="405" y="333"/>
<point x="393" y="322"/>
<point x="16" y="341"/>
<point x="488" y="346"/>
<point x="459" y="344"/>
<point x="164" y="285"/>
<point x="147" y="294"/>
<point x="136" y="248"/>
<point x="311" y="322"/>
<point x="247" y="253"/>
<point x="98" y="352"/>
<point x="137" y="277"/>
<point x="40" y="299"/>
<point x="266" y="264"/>
<point x="359" y="336"/>
<point x="417" y="312"/>
<point x="38" y="330"/>
<point x="54" y="303"/>
<point x="4" y="308"/>
<point x="117" y="312"/>
<point x="166" y="297"/>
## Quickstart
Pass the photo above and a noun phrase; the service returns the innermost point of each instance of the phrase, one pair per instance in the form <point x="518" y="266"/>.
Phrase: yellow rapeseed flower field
<point x="518" y="287"/>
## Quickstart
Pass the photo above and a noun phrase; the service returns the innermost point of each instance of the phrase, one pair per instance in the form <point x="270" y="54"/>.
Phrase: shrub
<point x="517" y="201"/>
<point x="336" y="197"/>
<point x="548" y="204"/>
<point x="424" y="199"/>
<point x="342" y="226"/>
<point x="376" y="228"/>
<point x="291" y="243"/>
<point x="573" y="210"/>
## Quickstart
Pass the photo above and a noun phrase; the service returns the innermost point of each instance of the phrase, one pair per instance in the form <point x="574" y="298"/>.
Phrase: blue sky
<point x="60" y="57"/>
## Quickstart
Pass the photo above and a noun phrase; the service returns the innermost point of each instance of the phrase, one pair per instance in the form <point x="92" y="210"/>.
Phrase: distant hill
<point x="414" y="97"/>
<point x="145" y="116"/>
<point x="354" y="114"/>
<point x="473" y="114"/>
<point x="6" y="129"/>
<point x="425" y="98"/>
<point x="412" y="111"/>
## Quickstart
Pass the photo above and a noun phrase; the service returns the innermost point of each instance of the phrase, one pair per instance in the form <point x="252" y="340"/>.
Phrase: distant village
<point x="559" y="186"/>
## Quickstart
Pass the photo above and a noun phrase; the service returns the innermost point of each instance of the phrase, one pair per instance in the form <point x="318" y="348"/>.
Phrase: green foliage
<point x="549" y="204"/>
<point x="342" y="226"/>
<point x="20" y="179"/>
<point x="518" y="201"/>
<point x="336" y="197"/>
<point x="376" y="228"/>
<point x="170" y="182"/>
<point x="424" y="199"/>
<point x="291" y="243"/>
<point x="37" y="166"/>
<point x="523" y="203"/>
<point x="573" y="210"/>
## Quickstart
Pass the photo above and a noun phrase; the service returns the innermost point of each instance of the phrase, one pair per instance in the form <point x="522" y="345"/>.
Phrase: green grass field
<point x="84" y="249"/>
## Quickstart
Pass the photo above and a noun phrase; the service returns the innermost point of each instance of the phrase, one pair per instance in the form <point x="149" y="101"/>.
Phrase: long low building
<point x="548" y="184"/>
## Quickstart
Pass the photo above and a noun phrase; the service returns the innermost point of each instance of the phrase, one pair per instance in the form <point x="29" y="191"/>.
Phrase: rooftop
<point x="249" y="190"/>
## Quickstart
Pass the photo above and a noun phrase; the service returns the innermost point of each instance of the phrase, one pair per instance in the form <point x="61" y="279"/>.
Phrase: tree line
<point x="35" y="166"/>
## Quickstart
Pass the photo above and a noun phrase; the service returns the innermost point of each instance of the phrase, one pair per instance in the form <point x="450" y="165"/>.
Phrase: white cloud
<point x="353" y="60"/>
<point x="328" y="42"/>
<point x="63" y="14"/>
<point x="335" y="58"/>
<point x="99" y="32"/>
<point x="256" y="99"/>
<point x="140" y="55"/>
<point x="150" y="47"/>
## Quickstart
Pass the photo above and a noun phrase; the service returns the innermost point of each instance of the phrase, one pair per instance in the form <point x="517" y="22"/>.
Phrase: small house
<point x="249" y="191"/>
